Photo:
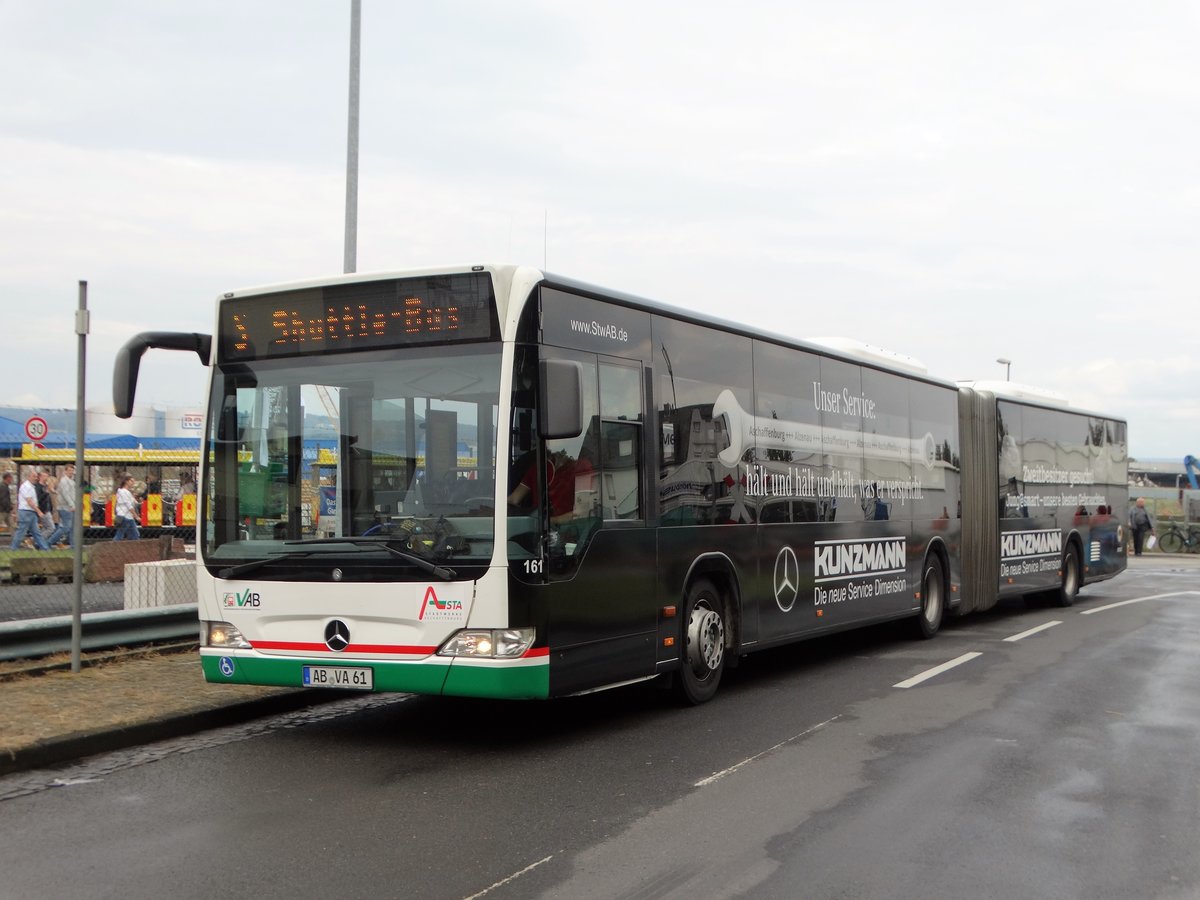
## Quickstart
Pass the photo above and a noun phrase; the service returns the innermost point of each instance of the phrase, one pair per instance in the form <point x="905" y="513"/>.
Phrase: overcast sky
<point x="954" y="181"/>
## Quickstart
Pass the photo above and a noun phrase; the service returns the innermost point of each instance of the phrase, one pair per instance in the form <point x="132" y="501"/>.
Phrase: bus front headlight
<point x="222" y="635"/>
<point x="493" y="643"/>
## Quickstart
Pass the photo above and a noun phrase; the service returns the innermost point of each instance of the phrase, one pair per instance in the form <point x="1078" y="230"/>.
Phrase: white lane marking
<point x="1088" y="612"/>
<point x="513" y="877"/>
<point x="1032" y="631"/>
<point x="936" y="670"/>
<point x="704" y="782"/>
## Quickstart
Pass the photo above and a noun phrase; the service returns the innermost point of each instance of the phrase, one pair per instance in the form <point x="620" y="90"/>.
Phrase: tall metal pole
<point x="81" y="329"/>
<point x="350" y="261"/>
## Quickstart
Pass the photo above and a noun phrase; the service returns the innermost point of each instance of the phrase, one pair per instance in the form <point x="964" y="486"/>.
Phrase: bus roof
<point x="848" y="349"/>
<point x="1012" y="390"/>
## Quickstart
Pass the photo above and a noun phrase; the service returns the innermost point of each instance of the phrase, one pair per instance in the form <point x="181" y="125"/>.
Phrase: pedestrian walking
<point x="125" y="512"/>
<point x="45" y="495"/>
<point x="1140" y="524"/>
<point x="65" y="494"/>
<point x="6" y="501"/>
<point x="29" y="514"/>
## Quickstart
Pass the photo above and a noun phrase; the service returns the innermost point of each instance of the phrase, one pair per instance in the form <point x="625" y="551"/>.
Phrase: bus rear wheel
<point x="933" y="598"/>
<point x="704" y="644"/>
<point x="1069" y="589"/>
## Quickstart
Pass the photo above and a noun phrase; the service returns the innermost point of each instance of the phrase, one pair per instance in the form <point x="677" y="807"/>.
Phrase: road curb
<point x="71" y="747"/>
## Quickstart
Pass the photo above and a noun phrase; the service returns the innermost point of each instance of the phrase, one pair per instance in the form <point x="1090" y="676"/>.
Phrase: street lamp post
<point x="350" y="255"/>
<point x="1007" y="363"/>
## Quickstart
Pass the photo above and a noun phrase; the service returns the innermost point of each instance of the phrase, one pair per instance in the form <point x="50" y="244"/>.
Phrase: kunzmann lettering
<point x="844" y="559"/>
<point x="1018" y="544"/>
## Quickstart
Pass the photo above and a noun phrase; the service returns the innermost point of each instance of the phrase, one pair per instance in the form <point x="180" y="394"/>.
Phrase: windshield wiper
<point x="243" y="568"/>
<point x="432" y="568"/>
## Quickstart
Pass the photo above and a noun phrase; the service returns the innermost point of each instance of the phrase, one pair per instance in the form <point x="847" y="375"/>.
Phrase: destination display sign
<point x="398" y="312"/>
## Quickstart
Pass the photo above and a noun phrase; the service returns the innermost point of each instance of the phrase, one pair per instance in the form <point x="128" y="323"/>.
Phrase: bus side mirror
<point x="560" y="390"/>
<point x="129" y="359"/>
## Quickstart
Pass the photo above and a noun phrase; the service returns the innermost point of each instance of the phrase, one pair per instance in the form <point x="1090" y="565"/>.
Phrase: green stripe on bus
<point x="515" y="683"/>
<point x="415" y="678"/>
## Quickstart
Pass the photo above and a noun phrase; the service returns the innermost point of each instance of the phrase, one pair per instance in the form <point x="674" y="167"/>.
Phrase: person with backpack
<point x="1140" y="525"/>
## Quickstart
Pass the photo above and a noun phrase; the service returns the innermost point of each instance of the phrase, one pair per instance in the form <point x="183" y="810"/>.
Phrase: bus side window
<point x="621" y="441"/>
<point x="621" y="487"/>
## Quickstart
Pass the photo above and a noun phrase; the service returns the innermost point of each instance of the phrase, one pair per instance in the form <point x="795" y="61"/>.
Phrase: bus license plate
<point x="339" y="677"/>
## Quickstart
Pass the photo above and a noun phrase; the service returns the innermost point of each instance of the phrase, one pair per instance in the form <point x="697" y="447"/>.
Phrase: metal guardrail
<point x="30" y="638"/>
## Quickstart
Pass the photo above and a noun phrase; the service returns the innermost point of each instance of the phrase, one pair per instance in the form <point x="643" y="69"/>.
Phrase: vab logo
<point x="433" y="608"/>
<point x="243" y="599"/>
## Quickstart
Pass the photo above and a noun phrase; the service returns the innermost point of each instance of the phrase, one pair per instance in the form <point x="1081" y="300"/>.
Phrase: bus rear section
<point x="1045" y="494"/>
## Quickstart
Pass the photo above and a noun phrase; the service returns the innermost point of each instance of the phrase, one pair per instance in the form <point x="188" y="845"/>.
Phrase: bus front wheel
<point x="704" y="644"/>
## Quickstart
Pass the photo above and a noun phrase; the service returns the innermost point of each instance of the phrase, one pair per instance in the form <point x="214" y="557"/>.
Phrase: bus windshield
<point x="346" y="459"/>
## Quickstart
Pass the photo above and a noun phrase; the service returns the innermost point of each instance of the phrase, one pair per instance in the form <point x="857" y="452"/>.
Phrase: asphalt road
<point x="1058" y="763"/>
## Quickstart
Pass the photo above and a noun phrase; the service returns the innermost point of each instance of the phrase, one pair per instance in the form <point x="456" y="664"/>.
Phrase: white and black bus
<point x="492" y="481"/>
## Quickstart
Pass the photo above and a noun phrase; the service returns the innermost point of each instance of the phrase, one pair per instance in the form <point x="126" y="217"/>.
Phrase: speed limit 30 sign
<point x="36" y="428"/>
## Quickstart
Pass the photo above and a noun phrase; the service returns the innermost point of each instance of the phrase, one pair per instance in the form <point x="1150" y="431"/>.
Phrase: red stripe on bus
<point x="306" y="647"/>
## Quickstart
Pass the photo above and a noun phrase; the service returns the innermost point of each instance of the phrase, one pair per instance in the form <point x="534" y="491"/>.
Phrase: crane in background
<point x="331" y="408"/>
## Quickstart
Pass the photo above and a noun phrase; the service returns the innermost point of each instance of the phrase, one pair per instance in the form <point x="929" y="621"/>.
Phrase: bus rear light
<point x="669" y="612"/>
<point x="495" y="643"/>
<point x="668" y="642"/>
<point x="223" y="635"/>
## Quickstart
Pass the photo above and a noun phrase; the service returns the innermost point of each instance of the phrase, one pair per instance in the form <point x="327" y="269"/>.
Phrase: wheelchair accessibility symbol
<point x="226" y="666"/>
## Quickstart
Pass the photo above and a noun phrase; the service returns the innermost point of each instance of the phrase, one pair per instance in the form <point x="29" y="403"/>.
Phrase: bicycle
<point x="1178" y="539"/>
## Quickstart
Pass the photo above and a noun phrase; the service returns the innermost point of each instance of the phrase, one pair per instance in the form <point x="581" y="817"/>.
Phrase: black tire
<point x="933" y="598"/>
<point x="703" y="653"/>
<point x="1171" y="542"/>
<point x="1072" y="573"/>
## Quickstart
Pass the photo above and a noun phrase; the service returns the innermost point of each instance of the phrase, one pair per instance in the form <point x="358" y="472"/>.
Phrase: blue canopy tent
<point x="12" y="436"/>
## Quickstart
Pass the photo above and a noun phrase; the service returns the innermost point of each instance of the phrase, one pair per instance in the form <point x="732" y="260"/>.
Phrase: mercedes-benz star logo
<point x="787" y="579"/>
<point x="337" y="636"/>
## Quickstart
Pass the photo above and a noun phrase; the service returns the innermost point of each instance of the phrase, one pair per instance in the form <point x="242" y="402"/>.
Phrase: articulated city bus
<point x="534" y="487"/>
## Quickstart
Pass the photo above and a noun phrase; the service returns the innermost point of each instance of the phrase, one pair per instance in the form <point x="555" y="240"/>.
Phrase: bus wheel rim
<point x="706" y="640"/>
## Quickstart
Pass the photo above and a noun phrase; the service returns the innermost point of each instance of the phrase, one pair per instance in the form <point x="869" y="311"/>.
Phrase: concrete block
<point x="163" y="583"/>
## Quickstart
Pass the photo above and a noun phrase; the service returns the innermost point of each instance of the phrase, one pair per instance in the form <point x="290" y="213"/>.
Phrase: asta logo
<point x="243" y="599"/>
<point x="433" y="608"/>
